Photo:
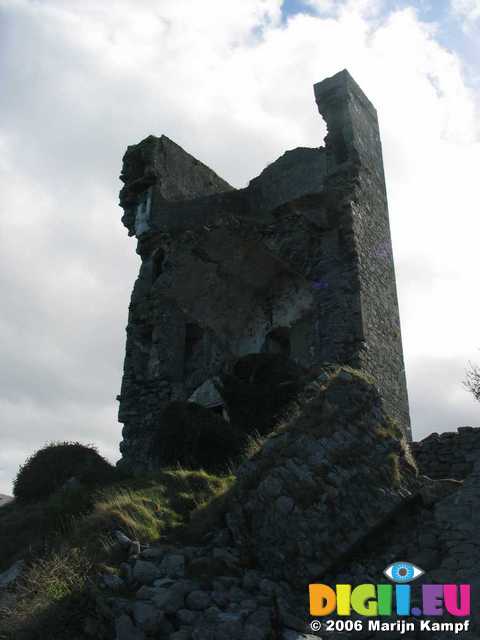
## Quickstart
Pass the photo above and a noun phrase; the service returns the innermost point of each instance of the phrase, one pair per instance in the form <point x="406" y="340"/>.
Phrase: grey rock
<point x="237" y="595"/>
<point x="285" y="504"/>
<point x="146" y="593"/>
<point x="173" y="566"/>
<point x="11" y="575"/>
<point x="224" y="582"/>
<point x="119" y="606"/>
<point x="212" y="614"/>
<point x="291" y="634"/>
<point x="229" y="617"/>
<point x="152" y="553"/>
<point x="251" y="580"/>
<point x="262" y="618"/>
<point x="123" y="540"/>
<point x="251" y="632"/>
<point x="163" y="583"/>
<point x="223" y="538"/>
<point x="113" y="582"/>
<point x="198" y="600"/>
<point x="230" y="559"/>
<point x="207" y="567"/>
<point x="146" y="616"/>
<point x="220" y="598"/>
<point x="126" y="571"/>
<point x="229" y="626"/>
<point x="270" y="487"/>
<point x="181" y="634"/>
<point x="92" y="627"/>
<point x="126" y="630"/>
<point x="258" y="625"/>
<point x="186" y="616"/>
<point x="291" y="621"/>
<point x="146" y="572"/>
<point x="269" y="588"/>
<point x="171" y="599"/>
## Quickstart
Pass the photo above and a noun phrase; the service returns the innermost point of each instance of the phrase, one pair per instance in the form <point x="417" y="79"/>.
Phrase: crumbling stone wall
<point x="448" y="455"/>
<point x="299" y="262"/>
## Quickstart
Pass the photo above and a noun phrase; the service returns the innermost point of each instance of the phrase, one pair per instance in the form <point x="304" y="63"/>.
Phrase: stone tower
<point x="299" y="262"/>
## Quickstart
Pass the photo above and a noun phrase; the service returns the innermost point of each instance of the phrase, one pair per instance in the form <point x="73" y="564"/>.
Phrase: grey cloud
<point x="438" y="400"/>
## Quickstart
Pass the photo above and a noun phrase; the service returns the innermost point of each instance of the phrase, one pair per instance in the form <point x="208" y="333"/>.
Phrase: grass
<point x="395" y="470"/>
<point x="355" y="373"/>
<point x="253" y="444"/>
<point x="67" y="539"/>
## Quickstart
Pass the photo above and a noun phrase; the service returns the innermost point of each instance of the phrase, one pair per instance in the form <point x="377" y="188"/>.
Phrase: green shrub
<point x="195" y="437"/>
<point x="50" y="468"/>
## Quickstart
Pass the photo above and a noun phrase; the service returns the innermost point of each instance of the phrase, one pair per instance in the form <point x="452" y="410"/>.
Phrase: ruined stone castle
<point x="299" y="263"/>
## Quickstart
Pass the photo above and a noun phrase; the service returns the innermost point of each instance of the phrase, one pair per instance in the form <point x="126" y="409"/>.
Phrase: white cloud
<point x="362" y="7"/>
<point x="469" y="10"/>
<point x="82" y="80"/>
<point x="324" y="6"/>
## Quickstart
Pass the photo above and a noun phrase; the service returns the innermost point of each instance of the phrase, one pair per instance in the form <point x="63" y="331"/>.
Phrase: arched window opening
<point x="142" y="213"/>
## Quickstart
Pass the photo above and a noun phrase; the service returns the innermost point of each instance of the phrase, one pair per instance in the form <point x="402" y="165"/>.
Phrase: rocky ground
<point x="205" y="592"/>
<point x="333" y="495"/>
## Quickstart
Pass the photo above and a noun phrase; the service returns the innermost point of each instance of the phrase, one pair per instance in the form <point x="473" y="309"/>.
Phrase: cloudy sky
<point x="231" y="82"/>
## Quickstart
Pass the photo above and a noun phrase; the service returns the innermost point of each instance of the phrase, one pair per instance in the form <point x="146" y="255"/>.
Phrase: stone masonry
<point x="299" y="262"/>
<point x="333" y="496"/>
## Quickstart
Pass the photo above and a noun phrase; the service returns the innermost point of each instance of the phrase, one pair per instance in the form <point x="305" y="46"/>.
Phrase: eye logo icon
<point x="373" y="600"/>
<point x="403" y="572"/>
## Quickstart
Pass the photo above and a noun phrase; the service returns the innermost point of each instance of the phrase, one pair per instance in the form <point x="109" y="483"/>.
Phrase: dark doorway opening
<point x="278" y="341"/>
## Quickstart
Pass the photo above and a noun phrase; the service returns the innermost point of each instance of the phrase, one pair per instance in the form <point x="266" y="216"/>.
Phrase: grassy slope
<point x="68" y="538"/>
